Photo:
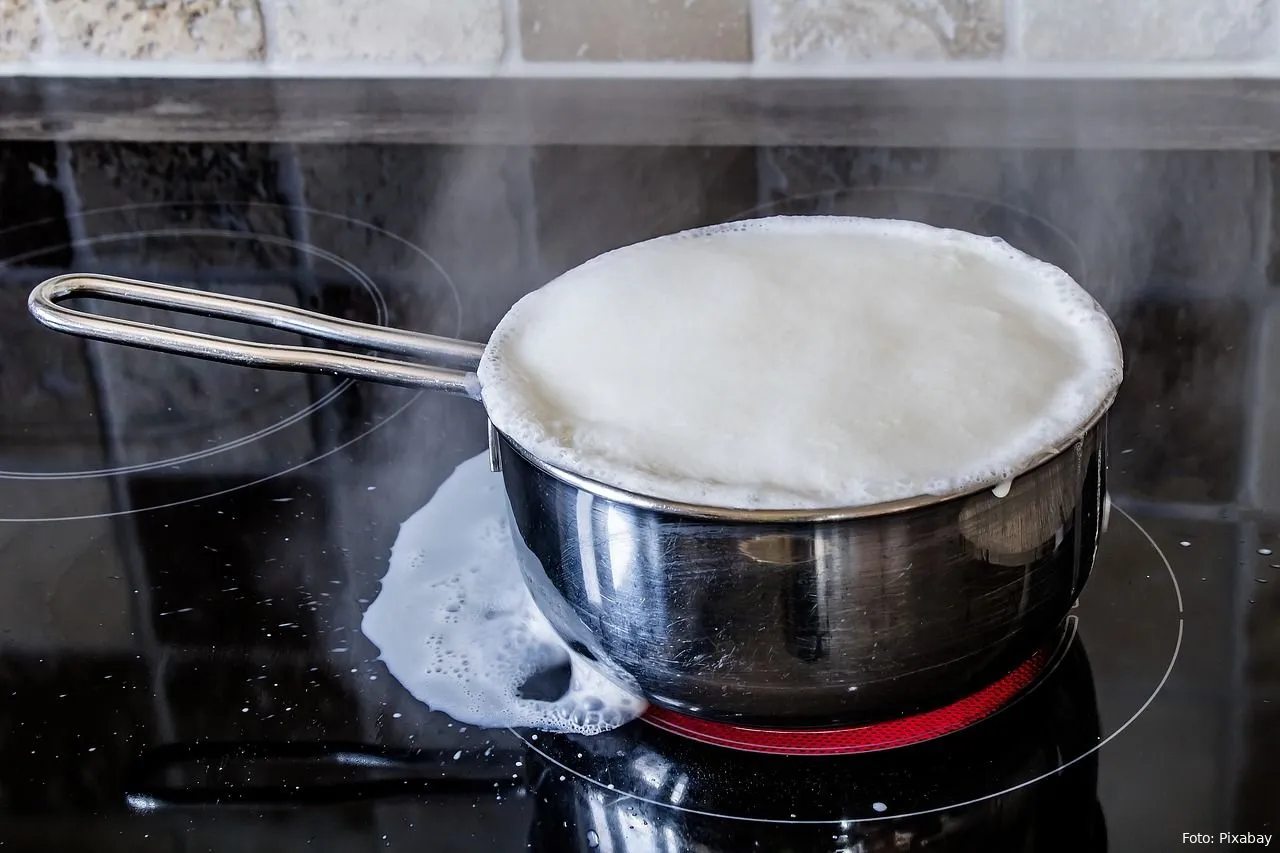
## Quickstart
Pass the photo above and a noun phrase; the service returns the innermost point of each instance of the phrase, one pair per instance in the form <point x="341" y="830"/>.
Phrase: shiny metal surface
<point x="669" y="793"/>
<point x="811" y="623"/>
<point x="44" y="304"/>
<point x="798" y="618"/>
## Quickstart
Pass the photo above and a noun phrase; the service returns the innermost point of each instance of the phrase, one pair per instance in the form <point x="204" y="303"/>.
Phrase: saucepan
<point x="755" y="617"/>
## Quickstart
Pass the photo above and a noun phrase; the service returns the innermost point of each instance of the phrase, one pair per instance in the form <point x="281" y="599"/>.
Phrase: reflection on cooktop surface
<point x="188" y="547"/>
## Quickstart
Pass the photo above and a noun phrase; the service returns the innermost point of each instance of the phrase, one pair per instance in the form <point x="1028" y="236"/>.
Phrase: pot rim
<point x="785" y="516"/>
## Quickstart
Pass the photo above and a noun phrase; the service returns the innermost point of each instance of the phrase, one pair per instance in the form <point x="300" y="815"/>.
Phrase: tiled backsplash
<point x="298" y="36"/>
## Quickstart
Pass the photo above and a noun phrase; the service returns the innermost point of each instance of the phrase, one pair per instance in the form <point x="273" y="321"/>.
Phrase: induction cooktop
<point x="187" y="549"/>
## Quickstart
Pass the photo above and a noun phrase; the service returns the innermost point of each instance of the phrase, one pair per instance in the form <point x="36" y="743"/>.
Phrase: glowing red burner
<point x="847" y="741"/>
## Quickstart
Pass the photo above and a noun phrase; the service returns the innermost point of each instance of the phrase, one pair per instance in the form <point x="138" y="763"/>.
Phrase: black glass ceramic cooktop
<point x="186" y="548"/>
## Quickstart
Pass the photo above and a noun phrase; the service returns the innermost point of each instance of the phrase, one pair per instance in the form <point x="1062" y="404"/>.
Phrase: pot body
<point x="803" y="624"/>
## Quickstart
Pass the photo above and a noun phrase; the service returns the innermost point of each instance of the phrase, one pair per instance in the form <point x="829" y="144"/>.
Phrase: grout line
<point x="1273" y="30"/>
<point x="270" y="30"/>
<point x="760" y="18"/>
<point x="524" y="183"/>
<point x="1013" y="20"/>
<point x="72" y="209"/>
<point x="48" y="34"/>
<point x="769" y="175"/>
<point x="1252" y="397"/>
<point x="1265" y="351"/>
<point x="1265" y="218"/>
<point x="1256" y="345"/>
<point x="292" y="187"/>
<point x="513" y="44"/>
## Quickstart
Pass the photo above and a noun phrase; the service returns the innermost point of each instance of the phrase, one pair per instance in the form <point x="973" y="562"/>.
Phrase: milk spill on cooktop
<point x="456" y="626"/>
<point x="429" y="625"/>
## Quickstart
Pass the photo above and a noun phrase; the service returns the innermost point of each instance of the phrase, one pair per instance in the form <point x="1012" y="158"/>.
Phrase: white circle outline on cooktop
<point x="1177" y="647"/>
<point x="453" y="290"/>
<point x="271" y="239"/>
<point x="316" y="405"/>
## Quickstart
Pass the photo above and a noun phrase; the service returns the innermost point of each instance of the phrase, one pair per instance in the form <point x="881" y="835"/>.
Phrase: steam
<point x="1129" y="225"/>
<point x="1138" y="224"/>
<point x="502" y="220"/>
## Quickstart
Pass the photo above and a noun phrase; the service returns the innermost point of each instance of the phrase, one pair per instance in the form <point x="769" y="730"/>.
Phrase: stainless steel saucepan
<point x="757" y="617"/>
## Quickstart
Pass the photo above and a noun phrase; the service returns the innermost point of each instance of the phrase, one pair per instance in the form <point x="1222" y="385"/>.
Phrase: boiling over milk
<point x="801" y="362"/>
<point x="455" y="624"/>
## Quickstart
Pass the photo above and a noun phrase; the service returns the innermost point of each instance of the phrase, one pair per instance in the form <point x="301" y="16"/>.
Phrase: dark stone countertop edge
<point x="1164" y="113"/>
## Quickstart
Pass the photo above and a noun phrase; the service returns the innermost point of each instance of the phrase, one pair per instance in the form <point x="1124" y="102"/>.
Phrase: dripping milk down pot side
<point x="768" y="617"/>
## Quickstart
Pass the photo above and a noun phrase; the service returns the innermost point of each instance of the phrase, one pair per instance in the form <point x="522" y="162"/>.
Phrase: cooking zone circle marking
<point x="700" y="596"/>
<point x="1085" y="614"/>
<point x="367" y="286"/>
<point x="380" y="308"/>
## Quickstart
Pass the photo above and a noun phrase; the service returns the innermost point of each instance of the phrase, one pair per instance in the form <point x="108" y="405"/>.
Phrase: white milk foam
<point x="802" y="362"/>
<point x="455" y="624"/>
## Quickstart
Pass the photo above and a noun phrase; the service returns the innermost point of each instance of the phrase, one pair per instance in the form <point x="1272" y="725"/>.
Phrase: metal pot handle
<point x="457" y="376"/>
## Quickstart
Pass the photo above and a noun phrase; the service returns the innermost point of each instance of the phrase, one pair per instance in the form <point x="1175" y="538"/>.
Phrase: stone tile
<point x="47" y="420"/>
<point x="151" y="192"/>
<point x="591" y="200"/>
<point x="20" y="34"/>
<point x="207" y="30"/>
<point x="1262" y="574"/>
<point x="1178" y="223"/>
<point x="845" y="30"/>
<point x="397" y="31"/>
<point x="161" y="406"/>
<point x="1135" y="30"/>
<point x="636" y="30"/>
<point x="33" y="233"/>
<point x="1178" y="425"/>
<point x="1265" y="484"/>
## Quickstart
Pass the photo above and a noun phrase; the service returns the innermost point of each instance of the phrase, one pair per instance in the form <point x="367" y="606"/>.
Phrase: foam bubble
<point x="802" y="362"/>
<point x="455" y="624"/>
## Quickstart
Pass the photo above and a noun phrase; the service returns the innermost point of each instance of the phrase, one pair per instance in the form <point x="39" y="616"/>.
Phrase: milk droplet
<point x="593" y="840"/>
<point x="880" y="807"/>
<point x="455" y="624"/>
<point x="1001" y="490"/>
<point x="1266" y="552"/>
